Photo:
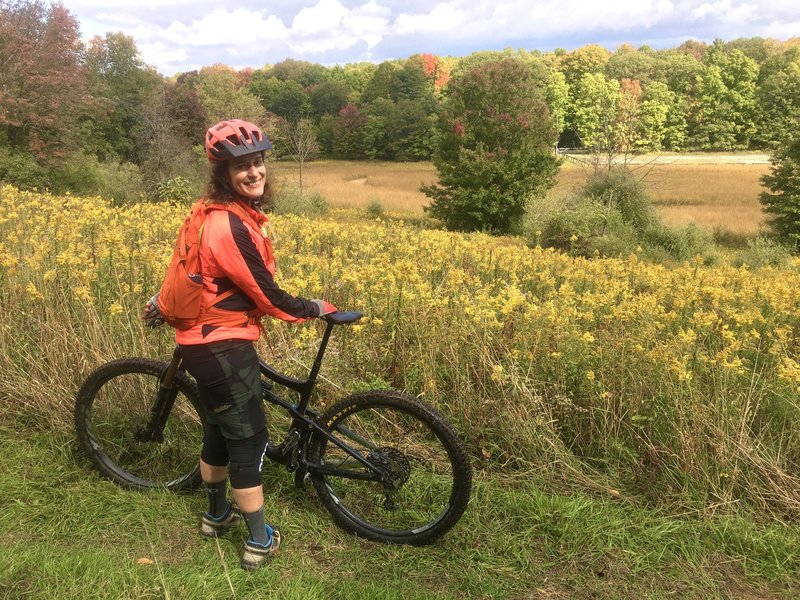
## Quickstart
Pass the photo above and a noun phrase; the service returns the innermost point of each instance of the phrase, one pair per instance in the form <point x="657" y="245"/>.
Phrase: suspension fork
<point x="153" y="430"/>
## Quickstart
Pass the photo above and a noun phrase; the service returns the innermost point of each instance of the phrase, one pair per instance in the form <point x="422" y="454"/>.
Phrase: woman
<point x="237" y="268"/>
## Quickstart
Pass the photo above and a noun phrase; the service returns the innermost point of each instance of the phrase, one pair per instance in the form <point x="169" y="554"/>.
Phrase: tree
<point x="120" y="81"/>
<point x="778" y="98"/>
<point x="43" y="91"/>
<point x="782" y="201"/>
<point x="348" y="132"/>
<point x="629" y="63"/>
<point x="595" y="111"/>
<point x="298" y="140"/>
<point x="328" y="98"/>
<point x="724" y="113"/>
<point x="303" y="72"/>
<point x="381" y="83"/>
<point x="495" y="149"/>
<point x="220" y="90"/>
<point x="662" y="118"/>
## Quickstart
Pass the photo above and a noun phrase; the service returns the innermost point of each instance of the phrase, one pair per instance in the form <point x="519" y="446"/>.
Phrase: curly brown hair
<point x="218" y="186"/>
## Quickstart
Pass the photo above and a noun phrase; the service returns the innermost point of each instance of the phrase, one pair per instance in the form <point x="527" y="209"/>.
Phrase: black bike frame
<point x="304" y="421"/>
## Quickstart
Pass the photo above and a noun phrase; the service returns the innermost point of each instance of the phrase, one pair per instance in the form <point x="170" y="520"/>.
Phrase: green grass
<point x="66" y="533"/>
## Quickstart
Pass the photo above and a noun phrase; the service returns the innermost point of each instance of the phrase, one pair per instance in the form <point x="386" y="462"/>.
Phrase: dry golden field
<point x="711" y="194"/>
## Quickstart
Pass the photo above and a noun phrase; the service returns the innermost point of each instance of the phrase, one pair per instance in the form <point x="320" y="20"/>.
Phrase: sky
<point x="176" y="36"/>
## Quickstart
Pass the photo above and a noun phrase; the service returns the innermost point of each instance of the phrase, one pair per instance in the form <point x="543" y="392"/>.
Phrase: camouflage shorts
<point x="229" y="383"/>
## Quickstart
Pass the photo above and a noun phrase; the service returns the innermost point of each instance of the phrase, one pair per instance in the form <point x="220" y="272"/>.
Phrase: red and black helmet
<point x="233" y="138"/>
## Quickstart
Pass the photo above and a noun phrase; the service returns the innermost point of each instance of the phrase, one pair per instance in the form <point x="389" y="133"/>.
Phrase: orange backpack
<point x="180" y="297"/>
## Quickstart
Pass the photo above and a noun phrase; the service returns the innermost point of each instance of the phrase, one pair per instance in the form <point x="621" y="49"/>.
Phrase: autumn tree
<point x="42" y="82"/>
<point x="495" y="148"/>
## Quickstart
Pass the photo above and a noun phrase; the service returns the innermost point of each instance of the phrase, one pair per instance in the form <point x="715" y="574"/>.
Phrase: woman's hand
<point x="325" y="308"/>
<point x="151" y="314"/>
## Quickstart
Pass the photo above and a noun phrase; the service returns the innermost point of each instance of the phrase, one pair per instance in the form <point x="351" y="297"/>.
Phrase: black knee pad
<point x="247" y="455"/>
<point x="215" y="451"/>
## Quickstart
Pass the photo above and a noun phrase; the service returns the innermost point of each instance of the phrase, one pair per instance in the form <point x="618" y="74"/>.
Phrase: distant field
<point x="711" y="191"/>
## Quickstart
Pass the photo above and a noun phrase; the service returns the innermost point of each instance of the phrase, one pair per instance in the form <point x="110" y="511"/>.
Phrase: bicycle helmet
<point x="229" y="139"/>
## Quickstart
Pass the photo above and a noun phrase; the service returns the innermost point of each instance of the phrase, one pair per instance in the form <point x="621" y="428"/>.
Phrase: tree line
<point x="94" y="117"/>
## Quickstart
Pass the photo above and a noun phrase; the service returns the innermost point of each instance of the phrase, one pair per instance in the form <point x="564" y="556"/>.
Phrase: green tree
<point x="328" y="98"/>
<point x="381" y="84"/>
<point x="679" y="71"/>
<point x="629" y="63"/>
<point x="303" y="72"/>
<point x="121" y="82"/>
<point x="782" y="201"/>
<point x="778" y="98"/>
<point x="595" y="107"/>
<point x="724" y="113"/>
<point x="411" y="131"/>
<point x="557" y="94"/>
<point x="222" y="95"/>
<point x="495" y="149"/>
<point x="662" y="118"/>
<point x="356" y="76"/>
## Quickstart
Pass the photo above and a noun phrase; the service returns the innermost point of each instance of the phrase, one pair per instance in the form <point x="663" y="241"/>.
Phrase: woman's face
<point x="248" y="175"/>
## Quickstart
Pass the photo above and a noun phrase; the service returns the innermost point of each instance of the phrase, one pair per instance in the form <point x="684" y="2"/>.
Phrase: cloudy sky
<point x="181" y="35"/>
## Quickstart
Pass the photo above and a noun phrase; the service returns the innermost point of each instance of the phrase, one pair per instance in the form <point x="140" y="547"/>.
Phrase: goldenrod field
<point x="715" y="196"/>
<point x="676" y="386"/>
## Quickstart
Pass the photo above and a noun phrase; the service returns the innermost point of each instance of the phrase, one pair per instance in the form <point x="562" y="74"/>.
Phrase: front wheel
<point x="125" y="442"/>
<point x="425" y="475"/>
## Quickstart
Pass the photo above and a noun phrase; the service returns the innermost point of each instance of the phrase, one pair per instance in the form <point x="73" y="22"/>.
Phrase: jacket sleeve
<point x="238" y="255"/>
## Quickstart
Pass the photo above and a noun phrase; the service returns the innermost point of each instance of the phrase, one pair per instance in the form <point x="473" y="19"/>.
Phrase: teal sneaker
<point x="212" y="528"/>
<point x="256" y="555"/>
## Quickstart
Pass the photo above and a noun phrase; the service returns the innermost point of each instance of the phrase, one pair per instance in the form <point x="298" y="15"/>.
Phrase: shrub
<point x="292" y="201"/>
<point x="679" y="243"/>
<point x="374" y="209"/>
<point x="762" y="252"/>
<point x="620" y="189"/>
<point x="84" y="174"/>
<point x="177" y="190"/>
<point x="21" y="170"/>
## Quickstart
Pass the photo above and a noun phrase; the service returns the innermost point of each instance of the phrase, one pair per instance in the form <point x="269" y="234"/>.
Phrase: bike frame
<point x="292" y="451"/>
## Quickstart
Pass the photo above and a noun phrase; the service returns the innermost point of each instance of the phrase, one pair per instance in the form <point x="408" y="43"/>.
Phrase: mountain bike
<point x="386" y="465"/>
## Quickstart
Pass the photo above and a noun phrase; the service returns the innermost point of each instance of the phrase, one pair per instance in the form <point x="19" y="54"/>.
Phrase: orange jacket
<point x="233" y="254"/>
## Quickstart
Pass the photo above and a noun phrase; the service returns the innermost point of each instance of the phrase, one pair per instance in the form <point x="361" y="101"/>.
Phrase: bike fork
<point x="153" y="430"/>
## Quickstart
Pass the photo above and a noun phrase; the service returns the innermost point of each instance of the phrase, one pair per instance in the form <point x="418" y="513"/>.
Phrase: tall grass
<point x="676" y="385"/>
<point x="714" y="196"/>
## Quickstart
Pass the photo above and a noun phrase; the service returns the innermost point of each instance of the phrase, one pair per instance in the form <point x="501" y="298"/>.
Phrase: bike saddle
<point x="343" y="317"/>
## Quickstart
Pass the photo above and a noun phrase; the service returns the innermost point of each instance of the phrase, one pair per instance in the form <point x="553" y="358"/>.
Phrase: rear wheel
<point x="114" y="426"/>
<point x="425" y="479"/>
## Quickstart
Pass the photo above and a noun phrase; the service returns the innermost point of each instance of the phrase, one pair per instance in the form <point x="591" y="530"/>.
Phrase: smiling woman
<point x="236" y="268"/>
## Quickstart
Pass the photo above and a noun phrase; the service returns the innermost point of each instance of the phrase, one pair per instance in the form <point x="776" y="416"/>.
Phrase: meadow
<point x="717" y="192"/>
<point x="634" y="427"/>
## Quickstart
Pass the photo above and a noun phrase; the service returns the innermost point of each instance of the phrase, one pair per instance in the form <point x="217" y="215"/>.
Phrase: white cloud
<point x="172" y="34"/>
<point x="725" y="11"/>
<point x="225" y="28"/>
<point x="326" y="15"/>
<point x="443" y="18"/>
<point x="330" y="26"/>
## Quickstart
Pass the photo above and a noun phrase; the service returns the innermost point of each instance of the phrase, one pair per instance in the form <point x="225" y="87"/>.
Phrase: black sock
<point x="258" y="530"/>
<point x="217" y="498"/>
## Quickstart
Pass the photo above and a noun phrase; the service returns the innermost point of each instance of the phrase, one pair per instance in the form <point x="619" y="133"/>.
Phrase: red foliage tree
<point x="42" y="83"/>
